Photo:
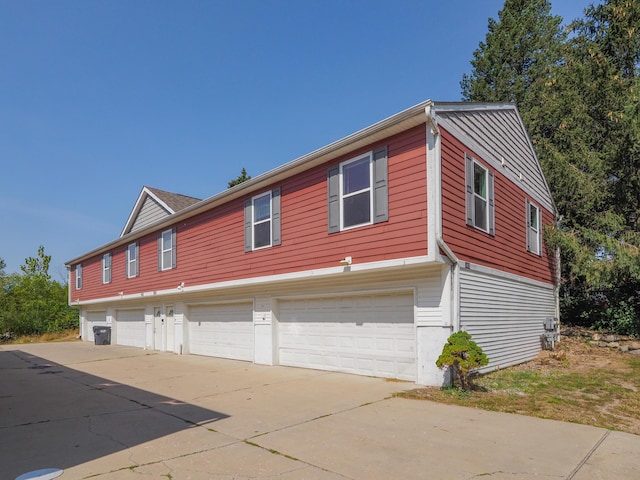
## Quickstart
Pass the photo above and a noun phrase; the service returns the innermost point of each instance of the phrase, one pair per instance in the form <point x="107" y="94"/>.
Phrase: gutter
<point x="393" y="124"/>
<point x="436" y="242"/>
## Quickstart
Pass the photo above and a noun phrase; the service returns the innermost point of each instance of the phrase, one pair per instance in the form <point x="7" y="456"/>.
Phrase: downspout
<point x="434" y="166"/>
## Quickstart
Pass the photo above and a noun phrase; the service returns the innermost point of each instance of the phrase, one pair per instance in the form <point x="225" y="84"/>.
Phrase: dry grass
<point x="65" y="336"/>
<point x="578" y="382"/>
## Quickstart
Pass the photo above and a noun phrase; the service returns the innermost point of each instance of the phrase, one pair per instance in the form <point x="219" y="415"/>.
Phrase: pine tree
<point x="519" y="49"/>
<point x="243" y="177"/>
<point x="579" y="99"/>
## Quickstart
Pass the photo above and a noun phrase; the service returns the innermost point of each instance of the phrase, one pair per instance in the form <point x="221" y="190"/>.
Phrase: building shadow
<point x="54" y="416"/>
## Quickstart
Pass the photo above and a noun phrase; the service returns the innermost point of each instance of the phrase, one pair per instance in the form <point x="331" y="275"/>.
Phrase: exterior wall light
<point x="346" y="261"/>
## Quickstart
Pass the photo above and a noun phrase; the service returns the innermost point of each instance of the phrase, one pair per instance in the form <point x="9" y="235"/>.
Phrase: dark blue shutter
<point x="109" y="269"/>
<point x="380" y="187"/>
<point x="275" y="217"/>
<point x="248" y="237"/>
<point x="492" y="210"/>
<point x="137" y="272"/>
<point x="539" y="231"/>
<point x="469" y="190"/>
<point x="173" y="247"/>
<point x="333" y="189"/>
<point x="528" y="213"/>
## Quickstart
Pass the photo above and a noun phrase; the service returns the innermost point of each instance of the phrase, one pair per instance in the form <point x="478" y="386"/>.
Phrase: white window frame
<point x="534" y="244"/>
<point x="106" y="268"/>
<point x="79" y="276"/>
<point x="132" y="263"/>
<point x="476" y="196"/>
<point x="164" y="250"/>
<point x="269" y="220"/>
<point x="343" y="196"/>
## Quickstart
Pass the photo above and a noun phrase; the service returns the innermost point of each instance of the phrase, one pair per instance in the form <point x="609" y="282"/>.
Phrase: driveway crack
<point x="588" y="455"/>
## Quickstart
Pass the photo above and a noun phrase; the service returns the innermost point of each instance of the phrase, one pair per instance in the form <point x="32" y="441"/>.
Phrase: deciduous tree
<point x="32" y="303"/>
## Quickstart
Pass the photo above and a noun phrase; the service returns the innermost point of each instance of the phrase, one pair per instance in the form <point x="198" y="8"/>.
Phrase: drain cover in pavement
<point x="44" y="474"/>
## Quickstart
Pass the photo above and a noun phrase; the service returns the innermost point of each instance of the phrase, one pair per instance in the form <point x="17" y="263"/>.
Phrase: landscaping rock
<point x="634" y="346"/>
<point x="611" y="338"/>
<point x="634" y="352"/>
<point x="624" y="348"/>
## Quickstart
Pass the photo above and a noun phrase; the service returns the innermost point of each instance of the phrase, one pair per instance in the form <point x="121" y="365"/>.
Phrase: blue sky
<point x="99" y="98"/>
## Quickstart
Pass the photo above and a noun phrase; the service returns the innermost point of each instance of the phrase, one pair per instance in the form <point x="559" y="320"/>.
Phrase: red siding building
<point x="360" y="257"/>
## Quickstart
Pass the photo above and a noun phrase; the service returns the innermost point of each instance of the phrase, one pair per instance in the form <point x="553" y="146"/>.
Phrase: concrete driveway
<point x="110" y="412"/>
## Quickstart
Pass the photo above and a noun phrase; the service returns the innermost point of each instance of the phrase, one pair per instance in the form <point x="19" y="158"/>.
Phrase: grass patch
<point x="580" y="383"/>
<point x="71" y="335"/>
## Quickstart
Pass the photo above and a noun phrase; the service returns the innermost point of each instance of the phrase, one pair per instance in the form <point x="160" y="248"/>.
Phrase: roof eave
<point x="399" y="122"/>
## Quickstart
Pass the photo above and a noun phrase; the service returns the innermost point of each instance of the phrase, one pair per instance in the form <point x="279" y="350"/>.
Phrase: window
<point x="358" y="193"/>
<point x="355" y="192"/>
<point x="167" y="250"/>
<point x="106" y="268"/>
<point x="480" y="199"/>
<point x="534" y="229"/>
<point x="262" y="221"/>
<point x="78" y="276"/>
<point x="132" y="260"/>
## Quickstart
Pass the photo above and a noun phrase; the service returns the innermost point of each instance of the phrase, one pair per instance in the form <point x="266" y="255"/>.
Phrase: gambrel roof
<point x="154" y="204"/>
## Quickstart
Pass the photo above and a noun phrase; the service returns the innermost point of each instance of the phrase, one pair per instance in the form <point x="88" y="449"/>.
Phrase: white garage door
<point x="222" y="330"/>
<point x="130" y="328"/>
<point x="364" y="334"/>
<point x="94" y="319"/>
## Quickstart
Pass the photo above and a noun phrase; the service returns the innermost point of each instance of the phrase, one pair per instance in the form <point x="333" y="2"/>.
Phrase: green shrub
<point x="463" y="357"/>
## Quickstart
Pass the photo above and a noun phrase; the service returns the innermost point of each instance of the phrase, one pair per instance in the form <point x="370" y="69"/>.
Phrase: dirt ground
<point x="578" y="352"/>
<point x="578" y="382"/>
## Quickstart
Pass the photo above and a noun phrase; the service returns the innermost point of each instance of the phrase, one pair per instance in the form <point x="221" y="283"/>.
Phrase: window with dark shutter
<point x="262" y="222"/>
<point x="479" y="194"/>
<point x="78" y="276"/>
<point x="167" y="249"/>
<point x="358" y="191"/>
<point x="132" y="267"/>
<point x="534" y="229"/>
<point x="106" y="268"/>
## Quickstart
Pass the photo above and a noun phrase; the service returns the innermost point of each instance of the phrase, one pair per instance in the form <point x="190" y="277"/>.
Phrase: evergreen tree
<point x="243" y="177"/>
<point x="601" y="245"/>
<point x="519" y="49"/>
<point x="578" y="97"/>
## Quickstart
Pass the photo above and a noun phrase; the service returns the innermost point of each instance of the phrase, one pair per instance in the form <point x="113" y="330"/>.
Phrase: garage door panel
<point x="131" y="328"/>
<point x="365" y="334"/>
<point x="222" y="331"/>
<point x="95" y="319"/>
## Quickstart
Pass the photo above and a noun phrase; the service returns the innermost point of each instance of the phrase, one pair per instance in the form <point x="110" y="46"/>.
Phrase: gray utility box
<point x="102" y="335"/>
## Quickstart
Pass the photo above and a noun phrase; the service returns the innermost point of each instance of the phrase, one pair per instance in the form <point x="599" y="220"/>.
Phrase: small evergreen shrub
<point x="464" y="357"/>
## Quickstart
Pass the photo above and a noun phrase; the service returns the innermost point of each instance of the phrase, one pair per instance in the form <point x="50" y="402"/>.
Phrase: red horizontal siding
<point x="507" y="250"/>
<point x="210" y="246"/>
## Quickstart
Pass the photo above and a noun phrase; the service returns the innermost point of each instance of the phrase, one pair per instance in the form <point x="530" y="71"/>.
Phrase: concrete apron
<point x="111" y="412"/>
